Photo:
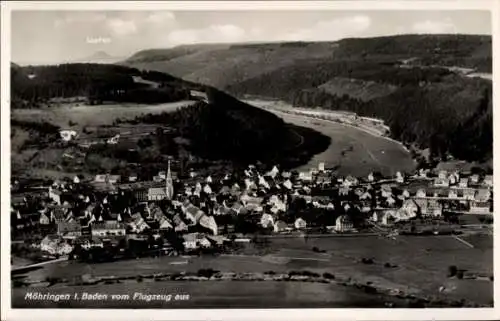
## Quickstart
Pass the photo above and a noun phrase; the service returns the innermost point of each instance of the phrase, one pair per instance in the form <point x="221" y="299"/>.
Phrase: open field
<point x="77" y="117"/>
<point x="369" y="153"/>
<point x="422" y="272"/>
<point x="84" y="115"/>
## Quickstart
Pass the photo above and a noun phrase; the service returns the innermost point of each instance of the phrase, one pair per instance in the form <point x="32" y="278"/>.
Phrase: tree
<point x="452" y="270"/>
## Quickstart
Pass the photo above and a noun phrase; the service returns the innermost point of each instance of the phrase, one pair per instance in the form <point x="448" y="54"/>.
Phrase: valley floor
<point x="423" y="274"/>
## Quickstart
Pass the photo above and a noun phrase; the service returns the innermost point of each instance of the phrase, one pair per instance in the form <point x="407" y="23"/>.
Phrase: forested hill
<point x="221" y="128"/>
<point x="226" y="128"/>
<point x="222" y="65"/>
<point x="35" y="85"/>
<point x="430" y="107"/>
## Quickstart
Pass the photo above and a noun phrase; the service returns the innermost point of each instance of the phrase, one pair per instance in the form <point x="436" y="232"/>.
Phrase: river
<point x="352" y="150"/>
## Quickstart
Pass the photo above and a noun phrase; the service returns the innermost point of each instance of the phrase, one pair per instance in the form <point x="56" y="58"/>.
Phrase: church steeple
<point x="169" y="187"/>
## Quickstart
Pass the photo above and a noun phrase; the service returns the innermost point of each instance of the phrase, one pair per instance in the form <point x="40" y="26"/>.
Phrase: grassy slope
<point x="221" y="67"/>
<point x="363" y="90"/>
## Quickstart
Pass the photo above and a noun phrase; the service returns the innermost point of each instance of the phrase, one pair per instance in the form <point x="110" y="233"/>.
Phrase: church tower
<point x="169" y="186"/>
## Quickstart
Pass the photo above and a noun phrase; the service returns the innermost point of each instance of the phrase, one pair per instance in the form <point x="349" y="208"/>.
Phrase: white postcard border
<point x="230" y="314"/>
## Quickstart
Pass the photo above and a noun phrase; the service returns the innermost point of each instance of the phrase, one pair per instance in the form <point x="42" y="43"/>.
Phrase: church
<point x="162" y="193"/>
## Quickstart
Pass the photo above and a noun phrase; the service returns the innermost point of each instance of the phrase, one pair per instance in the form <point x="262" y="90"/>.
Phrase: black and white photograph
<point x="245" y="158"/>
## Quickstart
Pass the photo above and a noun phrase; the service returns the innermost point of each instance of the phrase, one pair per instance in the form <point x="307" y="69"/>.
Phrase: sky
<point x="45" y="37"/>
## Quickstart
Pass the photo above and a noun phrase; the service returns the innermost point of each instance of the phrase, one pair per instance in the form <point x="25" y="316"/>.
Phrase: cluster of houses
<point x="202" y="210"/>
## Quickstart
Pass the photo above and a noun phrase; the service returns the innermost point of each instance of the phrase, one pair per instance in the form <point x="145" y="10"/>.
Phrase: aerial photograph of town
<point x="251" y="159"/>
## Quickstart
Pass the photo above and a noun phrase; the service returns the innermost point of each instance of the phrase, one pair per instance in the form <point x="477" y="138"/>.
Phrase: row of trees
<point x="471" y="51"/>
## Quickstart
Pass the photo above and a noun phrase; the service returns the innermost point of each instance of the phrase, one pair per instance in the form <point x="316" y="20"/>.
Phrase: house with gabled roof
<point x="305" y="176"/>
<point x="180" y="226"/>
<point x="434" y="208"/>
<point x="422" y="206"/>
<point x="138" y="224"/>
<point x="453" y="193"/>
<point x="344" y="190"/>
<point x="267" y="220"/>
<point x="358" y="191"/>
<point x="469" y="194"/>
<point x="390" y="201"/>
<point x="207" y="189"/>
<point x="323" y="179"/>
<point x="400" y="178"/>
<point x="87" y="242"/>
<point x="350" y="181"/>
<point x="474" y="179"/>
<point x="220" y="210"/>
<point x="464" y="182"/>
<point x="343" y="224"/>
<point x="58" y="214"/>
<point x="421" y="193"/>
<point x="300" y="223"/>
<point x="165" y="223"/>
<point x="429" y="207"/>
<point x="156" y="193"/>
<point x="209" y="222"/>
<point x="488" y="181"/>
<point x="55" y="245"/>
<point x="55" y="195"/>
<point x="441" y="182"/>
<point x="365" y="196"/>
<point x="410" y="207"/>
<point x="225" y="190"/>
<point x="478" y="207"/>
<point x="280" y="226"/>
<point x="482" y="195"/>
<point x="108" y="228"/>
<point x="44" y="219"/>
<point x="100" y="178"/>
<point x="443" y="174"/>
<point x="190" y="241"/>
<point x="423" y="173"/>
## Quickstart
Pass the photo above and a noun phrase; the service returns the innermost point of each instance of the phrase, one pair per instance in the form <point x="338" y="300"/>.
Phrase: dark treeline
<point x="96" y="82"/>
<point x="432" y="107"/>
<point x="313" y="73"/>
<point x="42" y="127"/>
<point x="470" y="51"/>
<point x="69" y="80"/>
<point x="40" y="133"/>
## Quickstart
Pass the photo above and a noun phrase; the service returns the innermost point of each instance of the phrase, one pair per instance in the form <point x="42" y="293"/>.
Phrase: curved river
<point x="352" y="150"/>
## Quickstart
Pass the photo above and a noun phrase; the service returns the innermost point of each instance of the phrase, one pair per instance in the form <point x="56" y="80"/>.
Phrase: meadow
<point x="83" y="115"/>
<point x="419" y="266"/>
